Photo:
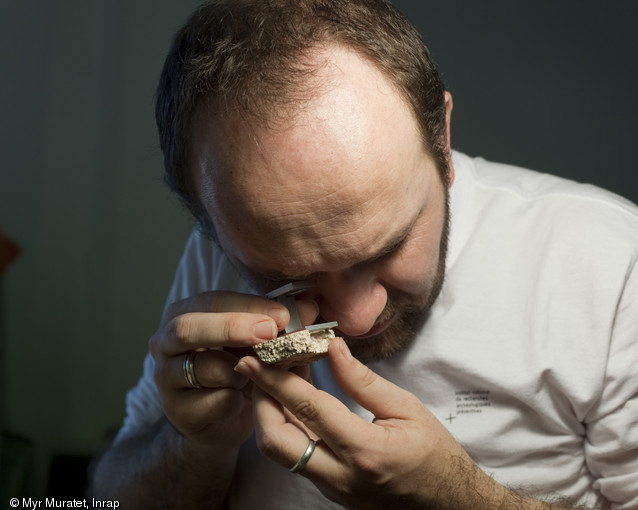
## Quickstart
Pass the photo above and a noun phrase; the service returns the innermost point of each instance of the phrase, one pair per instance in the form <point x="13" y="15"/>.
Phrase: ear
<point x="449" y="104"/>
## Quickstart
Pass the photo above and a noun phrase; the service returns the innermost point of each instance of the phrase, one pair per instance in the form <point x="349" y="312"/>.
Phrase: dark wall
<point x="550" y="84"/>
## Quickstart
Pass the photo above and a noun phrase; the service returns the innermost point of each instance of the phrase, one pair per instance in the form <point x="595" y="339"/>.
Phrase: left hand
<point x="404" y="459"/>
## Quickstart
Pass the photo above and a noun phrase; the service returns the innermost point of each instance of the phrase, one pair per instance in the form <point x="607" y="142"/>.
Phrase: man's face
<point x="341" y="192"/>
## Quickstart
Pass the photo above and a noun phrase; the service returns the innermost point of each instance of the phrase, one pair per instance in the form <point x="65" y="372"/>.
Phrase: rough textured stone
<point x="297" y="348"/>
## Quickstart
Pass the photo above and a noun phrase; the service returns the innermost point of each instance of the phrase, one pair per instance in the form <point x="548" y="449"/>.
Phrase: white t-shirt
<point x="529" y="356"/>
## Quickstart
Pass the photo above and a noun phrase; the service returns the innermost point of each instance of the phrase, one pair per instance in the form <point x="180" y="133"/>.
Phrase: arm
<point x="162" y="469"/>
<point x="404" y="459"/>
<point x="188" y="459"/>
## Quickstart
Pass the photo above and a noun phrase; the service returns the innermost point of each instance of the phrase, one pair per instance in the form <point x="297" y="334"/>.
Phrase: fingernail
<point x="266" y="330"/>
<point x="242" y="369"/>
<point x="279" y="314"/>
<point x="345" y="351"/>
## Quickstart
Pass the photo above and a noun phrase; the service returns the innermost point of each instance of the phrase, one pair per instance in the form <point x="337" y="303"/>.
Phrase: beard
<point x="411" y="312"/>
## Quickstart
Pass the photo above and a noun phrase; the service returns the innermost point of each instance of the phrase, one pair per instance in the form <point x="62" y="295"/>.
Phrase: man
<point x="494" y="308"/>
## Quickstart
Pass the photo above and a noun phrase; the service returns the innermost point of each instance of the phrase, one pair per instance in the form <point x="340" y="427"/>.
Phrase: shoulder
<point x="521" y="197"/>
<point x="204" y="267"/>
<point x="530" y="185"/>
<point x="508" y="222"/>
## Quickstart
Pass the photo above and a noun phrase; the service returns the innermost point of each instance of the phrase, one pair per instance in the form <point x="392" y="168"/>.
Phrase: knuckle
<point x="232" y="327"/>
<point x="365" y="382"/>
<point x="306" y="411"/>
<point x="368" y="378"/>
<point x="227" y="329"/>
<point x="180" y="327"/>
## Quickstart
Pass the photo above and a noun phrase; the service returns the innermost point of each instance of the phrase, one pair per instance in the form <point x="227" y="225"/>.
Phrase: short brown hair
<point x="246" y="56"/>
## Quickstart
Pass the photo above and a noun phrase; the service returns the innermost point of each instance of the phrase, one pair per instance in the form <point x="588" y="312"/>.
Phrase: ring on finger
<point x="301" y="463"/>
<point x="189" y="368"/>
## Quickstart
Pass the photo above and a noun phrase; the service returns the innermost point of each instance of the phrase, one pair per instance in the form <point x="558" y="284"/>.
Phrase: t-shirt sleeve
<point x="611" y="445"/>
<point x="202" y="267"/>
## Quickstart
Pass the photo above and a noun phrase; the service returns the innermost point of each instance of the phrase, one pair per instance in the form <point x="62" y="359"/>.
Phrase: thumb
<point x="378" y="395"/>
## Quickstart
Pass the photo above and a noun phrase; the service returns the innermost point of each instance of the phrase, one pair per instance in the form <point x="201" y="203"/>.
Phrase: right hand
<point x="220" y="413"/>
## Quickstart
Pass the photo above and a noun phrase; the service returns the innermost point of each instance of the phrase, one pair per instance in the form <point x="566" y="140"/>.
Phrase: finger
<point x="214" y="330"/>
<point x="285" y="442"/>
<point x="378" y="395"/>
<point x="319" y="411"/>
<point x="272" y="427"/>
<point x="212" y="369"/>
<point x="308" y="311"/>
<point x="222" y="302"/>
<point x="302" y="371"/>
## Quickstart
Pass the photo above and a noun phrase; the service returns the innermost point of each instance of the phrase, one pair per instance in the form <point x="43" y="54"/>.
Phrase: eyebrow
<point x="394" y="244"/>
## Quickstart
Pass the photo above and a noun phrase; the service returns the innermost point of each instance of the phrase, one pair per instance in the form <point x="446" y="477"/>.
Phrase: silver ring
<point x="189" y="368"/>
<point x="301" y="463"/>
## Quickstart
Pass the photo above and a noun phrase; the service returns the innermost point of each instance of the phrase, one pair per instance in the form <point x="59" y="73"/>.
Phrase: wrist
<point x="471" y="488"/>
<point x="497" y="496"/>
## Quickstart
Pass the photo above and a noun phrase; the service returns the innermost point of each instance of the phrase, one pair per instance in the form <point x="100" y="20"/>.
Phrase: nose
<point x="354" y="299"/>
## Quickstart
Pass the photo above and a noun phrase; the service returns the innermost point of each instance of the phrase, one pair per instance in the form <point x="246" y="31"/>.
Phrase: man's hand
<point x="190" y="462"/>
<point x="223" y="323"/>
<point x="404" y="459"/>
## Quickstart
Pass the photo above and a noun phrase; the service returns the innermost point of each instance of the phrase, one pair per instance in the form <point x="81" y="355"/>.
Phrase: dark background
<point x="549" y="85"/>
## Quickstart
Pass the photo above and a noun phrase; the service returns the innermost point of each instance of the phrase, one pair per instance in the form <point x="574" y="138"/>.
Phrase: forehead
<point x="321" y="188"/>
